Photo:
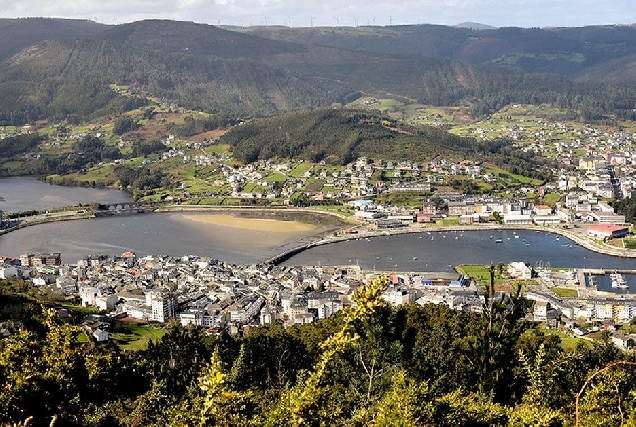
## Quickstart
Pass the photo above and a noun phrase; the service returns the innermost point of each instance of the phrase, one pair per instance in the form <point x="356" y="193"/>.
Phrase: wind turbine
<point x="311" y="21"/>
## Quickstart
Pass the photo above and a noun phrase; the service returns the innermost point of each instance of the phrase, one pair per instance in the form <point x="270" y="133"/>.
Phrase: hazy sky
<point x="523" y="13"/>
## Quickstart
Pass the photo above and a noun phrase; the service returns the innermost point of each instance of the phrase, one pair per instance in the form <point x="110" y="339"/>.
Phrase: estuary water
<point x="24" y="194"/>
<point x="179" y="234"/>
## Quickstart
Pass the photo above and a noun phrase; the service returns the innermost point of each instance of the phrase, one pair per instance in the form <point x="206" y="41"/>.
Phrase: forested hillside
<point x="18" y="34"/>
<point x="66" y="71"/>
<point x="566" y="51"/>
<point x="369" y="365"/>
<point x="70" y="79"/>
<point x="339" y="136"/>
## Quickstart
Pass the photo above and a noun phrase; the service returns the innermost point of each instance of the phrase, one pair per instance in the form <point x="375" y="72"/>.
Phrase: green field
<point x="136" y="337"/>
<point x="566" y="292"/>
<point x="568" y="343"/>
<point x="300" y="168"/>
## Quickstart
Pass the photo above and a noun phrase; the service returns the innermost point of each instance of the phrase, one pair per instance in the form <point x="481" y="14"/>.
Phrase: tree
<point x="124" y="124"/>
<point x="494" y="345"/>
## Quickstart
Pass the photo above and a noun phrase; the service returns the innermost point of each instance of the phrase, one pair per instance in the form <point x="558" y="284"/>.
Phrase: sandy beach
<point x="254" y="224"/>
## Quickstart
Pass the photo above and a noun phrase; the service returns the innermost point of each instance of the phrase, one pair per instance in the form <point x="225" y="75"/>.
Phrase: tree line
<point x="369" y="364"/>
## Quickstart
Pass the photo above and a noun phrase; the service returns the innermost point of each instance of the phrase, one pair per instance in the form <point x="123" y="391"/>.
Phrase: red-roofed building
<point x="542" y="210"/>
<point x="608" y="231"/>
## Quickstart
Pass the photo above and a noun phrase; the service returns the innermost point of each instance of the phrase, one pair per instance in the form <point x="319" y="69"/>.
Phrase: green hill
<point x="67" y="74"/>
<point x="566" y="51"/>
<point x="18" y="34"/>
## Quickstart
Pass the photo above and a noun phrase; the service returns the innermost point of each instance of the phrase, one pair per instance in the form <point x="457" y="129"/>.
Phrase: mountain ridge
<point x="270" y="70"/>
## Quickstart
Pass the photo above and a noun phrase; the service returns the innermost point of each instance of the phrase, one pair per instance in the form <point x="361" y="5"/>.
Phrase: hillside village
<point x="590" y="171"/>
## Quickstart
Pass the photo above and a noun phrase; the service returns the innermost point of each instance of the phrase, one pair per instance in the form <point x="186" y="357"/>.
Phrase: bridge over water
<point x="122" y="206"/>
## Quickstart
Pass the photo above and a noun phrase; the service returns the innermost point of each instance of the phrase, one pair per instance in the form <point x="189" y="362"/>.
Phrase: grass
<point x="551" y="199"/>
<point x="629" y="243"/>
<point x="299" y="169"/>
<point x="505" y="174"/>
<point x="80" y="309"/>
<point x="448" y="222"/>
<point x="136" y="337"/>
<point x="275" y="177"/>
<point x="480" y="273"/>
<point x="566" y="292"/>
<point x="314" y="185"/>
<point x="568" y="343"/>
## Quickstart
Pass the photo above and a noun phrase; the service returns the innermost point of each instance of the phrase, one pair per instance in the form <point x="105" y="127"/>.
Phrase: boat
<point x="618" y="281"/>
<point x="516" y="236"/>
<point x="414" y="258"/>
<point x="499" y="241"/>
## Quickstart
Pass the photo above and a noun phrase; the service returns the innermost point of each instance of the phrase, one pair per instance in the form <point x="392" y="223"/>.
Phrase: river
<point x="24" y="194"/>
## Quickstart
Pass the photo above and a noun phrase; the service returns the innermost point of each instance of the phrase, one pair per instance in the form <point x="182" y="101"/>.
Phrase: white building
<point x="8" y="271"/>
<point x="517" y="219"/>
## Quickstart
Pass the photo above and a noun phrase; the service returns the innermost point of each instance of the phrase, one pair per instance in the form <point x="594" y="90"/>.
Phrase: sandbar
<point x="255" y="224"/>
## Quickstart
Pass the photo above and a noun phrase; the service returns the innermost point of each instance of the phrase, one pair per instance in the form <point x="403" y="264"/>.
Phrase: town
<point x="223" y="297"/>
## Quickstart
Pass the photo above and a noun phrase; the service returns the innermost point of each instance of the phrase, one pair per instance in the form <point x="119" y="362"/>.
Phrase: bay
<point x="178" y="234"/>
<point x="439" y="251"/>
<point x="174" y="234"/>
<point x="23" y="194"/>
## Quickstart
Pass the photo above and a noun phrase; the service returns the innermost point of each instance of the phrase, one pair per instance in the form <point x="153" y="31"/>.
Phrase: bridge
<point x="121" y="206"/>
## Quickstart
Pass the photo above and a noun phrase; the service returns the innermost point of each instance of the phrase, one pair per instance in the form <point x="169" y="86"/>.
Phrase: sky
<point x="306" y="13"/>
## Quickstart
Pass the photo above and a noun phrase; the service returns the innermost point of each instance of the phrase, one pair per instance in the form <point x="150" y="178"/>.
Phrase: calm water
<point x="175" y="234"/>
<point x="151" y="233"/>
<point x="23" y="194"/>
<point x="441" y="251"/>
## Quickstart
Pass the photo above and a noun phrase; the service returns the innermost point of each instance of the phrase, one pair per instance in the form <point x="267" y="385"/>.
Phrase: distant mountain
<point x="17" y="34"/>
<point x="64" y="68"/>
<point x="566" y="51"/>
<point x="475" y="26"/>
<point x="196" y="39"/>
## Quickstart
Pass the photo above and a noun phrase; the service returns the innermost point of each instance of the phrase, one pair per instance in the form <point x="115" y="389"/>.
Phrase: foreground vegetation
<point x="368" y="365"/>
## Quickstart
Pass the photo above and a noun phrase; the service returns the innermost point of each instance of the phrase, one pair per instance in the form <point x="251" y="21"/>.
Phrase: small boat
<point x="414" y="258"/>
<point x="499" y="241"/>
<point x="516" y="236"/>
<point x="618" y="281"/>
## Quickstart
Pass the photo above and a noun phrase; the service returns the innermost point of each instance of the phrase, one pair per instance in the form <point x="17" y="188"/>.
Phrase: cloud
<point x="336" y="12"/>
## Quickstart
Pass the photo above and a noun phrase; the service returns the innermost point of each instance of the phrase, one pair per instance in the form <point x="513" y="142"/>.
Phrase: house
<point x="100" y="335"/>
<point x="542" y="210"/>
<point x="541" y="311"/>
<point x="624" y="341"/>
<point x="607" y="217"/>
<point x="519" y="270"/>
<point x="7" y="271"/>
